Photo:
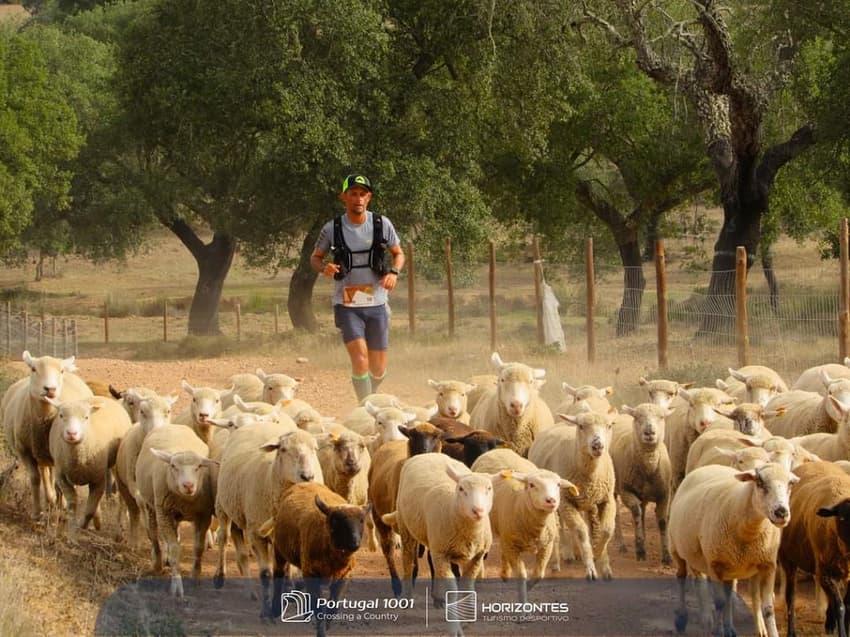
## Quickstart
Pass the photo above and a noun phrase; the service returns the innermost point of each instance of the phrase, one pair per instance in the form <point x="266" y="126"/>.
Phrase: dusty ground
<point x="64" y="587"/>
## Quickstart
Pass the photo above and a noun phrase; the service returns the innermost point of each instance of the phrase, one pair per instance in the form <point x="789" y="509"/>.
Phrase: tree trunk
<point x="744" y="202"/>
<point x="300" y="301"/>
<point x="770" y="277"/>
<point x="651" y="236"/>
<point x="214" y="260"/>
<point x="634" y="284"/>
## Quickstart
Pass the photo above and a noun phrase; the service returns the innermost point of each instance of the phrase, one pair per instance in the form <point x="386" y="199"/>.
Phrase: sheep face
<point x="349" y="449"/>
<point x="648" y="424"/>
<point x="473" y="494"/>
<point x="423" y="438"/>
<point x="841" y="513"/>
<point x="296" y="460"/>
<point x="186" y="471"/>
<point x="661" y="392"/>
<point x="543" y="488"/>
<point x="155" y="412"/>
<point x="702" y="413"/>
<point x="73" y="420"/>
<point x="593" y="435"/>
<point x="451" y="397"/>
<point x="771" y="491"/>
<point x="388" y="420"/>
<point x="785" y="452"/>
<point x="277" y="387"/>
<point x="746" y="458"/>
<point x="345" y="524"/>
<point x="517" y="387"/>
<point x="206" y="402"/>
<point x="476" y="443"/>
<point x="839" y="390"/>
<point x="760" y="389"/>
<point x="47" y="375"/>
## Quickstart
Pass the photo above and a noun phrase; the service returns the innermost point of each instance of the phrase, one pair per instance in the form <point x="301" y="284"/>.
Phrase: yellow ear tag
<point x="284" y="403"/>
<point x="573" y="489"/>
<point x="335" y="437"/>
<point x="780" y="411"/>
<point x="507" y="474"/>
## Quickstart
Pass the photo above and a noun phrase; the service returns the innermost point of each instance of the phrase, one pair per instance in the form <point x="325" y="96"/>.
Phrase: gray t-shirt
<point x="361" y="287"/>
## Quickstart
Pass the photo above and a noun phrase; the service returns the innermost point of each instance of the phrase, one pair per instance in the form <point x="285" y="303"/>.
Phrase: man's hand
<point x="330" y="269"/>
<point x="389" y="280"/>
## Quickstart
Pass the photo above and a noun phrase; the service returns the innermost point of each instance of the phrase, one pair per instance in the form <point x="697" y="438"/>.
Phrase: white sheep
<point x="579" y="452"/>
<point x="809" y="412"/>
<point x="206" y="403"/>
<point x="642" y="470"/>
<point x="596" y="398"/>
<point x="259" y="461"/>
<point x="175" y="485"/>
<point x="153" y="412"/>
<point x="481" y="384"/>
<point x="444" y="506"/>
<point x="345" y="460"/>
<point x="525" y="513"/>
<point x="812" y="379"/>
<point x="661" y="391"/>
<point x="84" y="440"/>
<point x="28" y="416"/>
<point x="748" y="418"/>
<point x="452" y="398"/>
<point x="277" y="387"/>
<point x="248" y="387"/>
<point x="753" y="384"/>
<point x="370" y="419"/>
<point x="723" y="446"/>
<point x="131" y="398"/>
<point x="515" y="412"/>
<point x="694" y="412"/>
<point x="830" y="446"/>
<point x="726" y="525"/>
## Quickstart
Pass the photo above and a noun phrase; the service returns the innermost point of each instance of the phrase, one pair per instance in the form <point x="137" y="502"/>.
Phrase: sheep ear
<point x="324" y="508"/>
<point x="738" y="375"/>
<point x="117" y="395"/>
<point x="162" y="455"/>
<point x="410" y="416"/>
<point x="669" y="412"/>
<point x="172" y="400"/>
<point x="433" y="410"/>
<point x="454" y="473"/>
<point x="95" y="406"/>
<point x="569" y="486"/>
<point x="260" y="374"/>
<point x="28" y="359"/>
<point x="298" y="379"/>
<point x="271" y="445"/>
<point x="467" y="387"/>
<point x="746" y="476"/>
<point x="496" y="361"/>
<point x="237" y="400"/>
<point x="776" y="413"/>
<point x="569" y="390"/>
<point x="830" y="512"/>
<point x="606" y="391"/>
<point x="642" y="381"/>
<point x="572" y="420"/>
<point x="726" y="452"/>
<point x="372" y="409"/>
<point x="433" y="384"/>
<point x="68" y="364"/>
<point x="751" y="442"/>
<point x="267" y="528"/>
<point x="187" y="387"/>
<point x="371" y="438"/>
<point x="794" y="479"/>
<point x="209" y="462"/>
<point x="685" y="385"/>
<point x="726" y="413"/>
<point x="847" y="361"/>
<point x="224" y="423"/>
<point x="538" y="373"/>
<point x="722" y="385"/>
<point x="684" y="394"/>
<point x="627" y="410"/>
<point x="367" y="509"/>
<point x="53" y="401"/>
<point x="405" y="431"/>
<point x="839" y="407"/>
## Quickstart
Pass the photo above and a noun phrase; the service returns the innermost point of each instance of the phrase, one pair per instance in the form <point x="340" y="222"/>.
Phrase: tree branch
<point x="777" y="156"/>
<point x="607" y="213"/>
<point x="186" y="235"/>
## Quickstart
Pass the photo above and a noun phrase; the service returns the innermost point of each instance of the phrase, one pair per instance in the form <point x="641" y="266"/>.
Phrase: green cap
<point x="356" y="180"/>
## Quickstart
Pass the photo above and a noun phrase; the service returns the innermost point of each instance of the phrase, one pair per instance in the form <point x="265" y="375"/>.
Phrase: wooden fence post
<point x="492" y="303"/>
<point x="276" y="318"/>
<point x="42" y="333"/>
<point x="238" y="322"/>
<point x="9" y="327"/>
<point x="451" y="288"/>
<point x="661" y="292"/>
<point x="26" y="326"/>
<point x="106" y="321"/>
<point x="538" y="287"/>
<point x="743" y="332"/>
<point x="74" y="341"/>
<point x="411" y="290"/>
<point x="844" y="292"/>
<point x="591" y="302"/>
<point x="165" y="320"/>
<point x="64" y="338"/>
<point x="53" y="336"/>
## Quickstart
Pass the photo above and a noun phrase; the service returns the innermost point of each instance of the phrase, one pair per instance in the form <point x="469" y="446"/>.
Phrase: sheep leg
<point x="261" y="553"/>
<point x="242" y="553"/>
<point x="280" y="583"/>
<point x="766" y="584"/>
<point x="681" y="616"/>
<point x="790" y="585"/>
<point x="132" y="512"/>
<point x="168" y="528"/>
<point x="409" y="549"/>
<point x="223" y="532"/>
<point x="835" y="611"/>
<point x="95" y="494"/>
<point x="723" y="605"/>
<point x="601" y="530"/>
<point x="516" y="564"/>
<point x="153" y="536"/>
<point x="70" y="495"/>
<point x="35" y="484"/>
<point x="618" y="529"/>
<point x="202" y="525"/>
<point x="541" y="561"/>
<point x="46" y="472"/>
<point x="385" y="536"/>
<point x="581" y="538"/>
<point x="662" y="511"/>
<point x="636" y="507"/>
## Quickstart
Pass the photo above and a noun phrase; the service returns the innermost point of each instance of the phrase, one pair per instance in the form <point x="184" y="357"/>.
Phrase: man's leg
<point x="359" y="367"/>
<point x="377" y="342"/>
<point x="377" y="367"/>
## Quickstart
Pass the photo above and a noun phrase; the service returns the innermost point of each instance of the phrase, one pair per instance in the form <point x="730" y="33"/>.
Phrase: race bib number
<point x="358" y="295"/>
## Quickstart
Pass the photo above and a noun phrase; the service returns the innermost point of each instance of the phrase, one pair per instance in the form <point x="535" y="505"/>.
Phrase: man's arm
<point x="390" y="279"/>
<point x="317" y="262"/>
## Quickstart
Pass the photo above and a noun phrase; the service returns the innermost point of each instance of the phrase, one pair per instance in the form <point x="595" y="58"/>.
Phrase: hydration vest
<point x="342" y="254"/>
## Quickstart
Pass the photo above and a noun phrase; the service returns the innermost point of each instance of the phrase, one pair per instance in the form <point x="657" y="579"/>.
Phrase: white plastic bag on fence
<point x="553" y="332"/>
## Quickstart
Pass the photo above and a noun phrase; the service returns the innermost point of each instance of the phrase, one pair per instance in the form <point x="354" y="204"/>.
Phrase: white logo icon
<point x="461" y="606"/>
<point x="295" y="607"/>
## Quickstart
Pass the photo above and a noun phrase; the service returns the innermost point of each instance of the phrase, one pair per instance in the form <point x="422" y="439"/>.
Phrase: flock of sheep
<point x="743" y="476"/>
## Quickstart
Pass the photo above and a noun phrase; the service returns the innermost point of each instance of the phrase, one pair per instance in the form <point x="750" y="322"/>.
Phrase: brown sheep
<point x="817" y="539"/>
<point x="462" y="442"/>
<point x="383" y="482"/>
<point x="319" y="532"/>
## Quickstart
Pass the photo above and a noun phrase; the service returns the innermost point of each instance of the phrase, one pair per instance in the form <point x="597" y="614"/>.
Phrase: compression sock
<point x="377" y="380"/>
<point x="362" y="385"/>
